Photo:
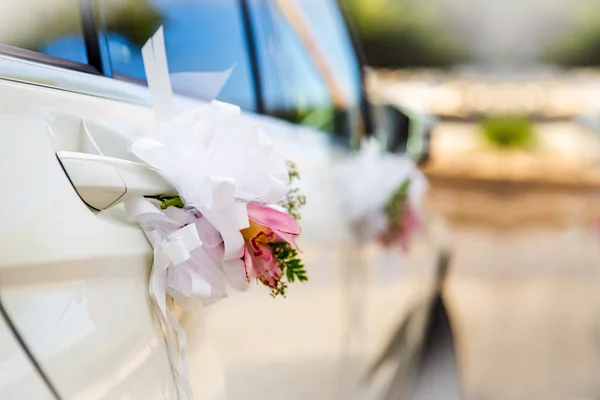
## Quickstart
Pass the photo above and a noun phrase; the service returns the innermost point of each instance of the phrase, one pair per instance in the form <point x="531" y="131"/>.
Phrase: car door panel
<point x="18" y="376"/>
<point x="73" y="281"/>
<point x="86" y="273"/>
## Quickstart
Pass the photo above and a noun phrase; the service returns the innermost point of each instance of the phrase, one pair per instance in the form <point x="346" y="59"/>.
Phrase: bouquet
<point x="383" y="193"/>
<point x="232" y="217"/>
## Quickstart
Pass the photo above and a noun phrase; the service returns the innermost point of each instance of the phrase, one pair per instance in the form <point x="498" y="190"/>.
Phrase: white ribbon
<point x="367" y="180"/>
<point x="154" y="55"/>
<point x="180" y="243"/>
<point x="170" y="250"/>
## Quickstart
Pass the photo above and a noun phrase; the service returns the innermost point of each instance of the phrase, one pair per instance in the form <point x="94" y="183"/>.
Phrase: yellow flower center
<point x="253" y="232"/>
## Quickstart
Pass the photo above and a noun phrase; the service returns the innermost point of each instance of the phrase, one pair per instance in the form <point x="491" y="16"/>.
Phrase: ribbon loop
<point x="181" y="243"/>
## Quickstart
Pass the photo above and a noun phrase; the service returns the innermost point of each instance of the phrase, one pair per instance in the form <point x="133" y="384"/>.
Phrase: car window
<point x="328" y="25"/>
<point x="314" y="81"/>
<point x="200" y="36"/>
<point x="47" y="27"/>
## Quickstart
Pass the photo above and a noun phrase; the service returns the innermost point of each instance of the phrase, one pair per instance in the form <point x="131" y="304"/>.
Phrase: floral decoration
<point x="382" y="193"/>
<point x="230" y="218"/>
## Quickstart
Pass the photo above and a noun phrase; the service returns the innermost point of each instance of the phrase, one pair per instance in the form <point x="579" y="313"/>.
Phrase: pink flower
<point x="267" y="225"/>
<point x="410" y="225"/>
<point x="402" y="233"/>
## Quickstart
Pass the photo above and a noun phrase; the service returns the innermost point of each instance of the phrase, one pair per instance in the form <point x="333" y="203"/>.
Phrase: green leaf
<point x="291" y="266"/>
<point x="394" y="208"/>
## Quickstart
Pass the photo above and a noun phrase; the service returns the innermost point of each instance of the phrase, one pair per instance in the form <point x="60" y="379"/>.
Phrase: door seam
<point x="23" y="345"/>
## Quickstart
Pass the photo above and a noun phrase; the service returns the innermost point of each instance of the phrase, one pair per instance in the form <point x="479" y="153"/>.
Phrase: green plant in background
<point x="580" y="45"/>
<point x="508" y="132"/>
<point x="137" y="20"/>
<point x="396" y="33"/>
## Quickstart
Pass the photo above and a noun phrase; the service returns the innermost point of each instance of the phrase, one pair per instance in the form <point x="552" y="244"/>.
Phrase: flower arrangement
<point x="270" y="253"/>
<point x="382" y="193"/>
<point x="403" y="220"/>
<point x="232" y="217"/>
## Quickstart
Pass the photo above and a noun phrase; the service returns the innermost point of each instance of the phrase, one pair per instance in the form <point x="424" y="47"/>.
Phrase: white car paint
<point x="18" y="376"/>
<point x="75" y="282"/>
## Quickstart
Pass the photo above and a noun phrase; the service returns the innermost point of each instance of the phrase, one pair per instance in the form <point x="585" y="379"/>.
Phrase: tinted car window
<point x="47" y="27"/>
<point x="307" y="68"/>
<point x="200" y="36"/>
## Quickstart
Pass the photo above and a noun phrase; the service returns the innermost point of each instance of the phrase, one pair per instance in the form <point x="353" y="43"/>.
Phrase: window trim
<point x="252" y="48"/>
<point x="90" y="35"/>
<point x="41" y="58"/>
<point x="91" y="44"/>
<point x="365" y="104"/>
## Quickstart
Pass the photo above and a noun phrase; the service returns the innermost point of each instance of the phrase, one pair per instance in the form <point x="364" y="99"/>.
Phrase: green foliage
<point x="293" y="201"/>
<point x="580" y="45"/>
<point x="291" y="266"/>
<point x="394" y="209"/>
<point x="396" y="33"/>
<point x="508" y="132"/>
<point x="137" y="20"/>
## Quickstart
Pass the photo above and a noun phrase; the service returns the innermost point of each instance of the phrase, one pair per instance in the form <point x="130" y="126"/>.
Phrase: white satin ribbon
<point x="170" y="250"/>
<point x="157" y="74"/>
<point x="180" y="243"/>
<point x="203" y="85"/>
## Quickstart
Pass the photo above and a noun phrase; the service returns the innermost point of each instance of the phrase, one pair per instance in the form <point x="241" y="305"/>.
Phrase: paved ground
<point x="524" y="290"/>
<point x="524" y="306"/>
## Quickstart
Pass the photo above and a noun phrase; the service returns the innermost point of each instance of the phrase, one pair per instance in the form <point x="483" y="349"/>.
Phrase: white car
<point x="76" y="318"/>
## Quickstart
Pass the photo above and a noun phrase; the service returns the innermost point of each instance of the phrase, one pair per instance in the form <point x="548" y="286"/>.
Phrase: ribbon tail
<point x="174" y="334"/>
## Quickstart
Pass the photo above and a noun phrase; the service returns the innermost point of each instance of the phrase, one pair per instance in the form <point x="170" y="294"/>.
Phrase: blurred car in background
<point x="77" y="319"/>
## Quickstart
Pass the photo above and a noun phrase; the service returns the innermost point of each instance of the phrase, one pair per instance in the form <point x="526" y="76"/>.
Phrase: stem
<point x="167" y="201"/>
<point x="172" y="202"/>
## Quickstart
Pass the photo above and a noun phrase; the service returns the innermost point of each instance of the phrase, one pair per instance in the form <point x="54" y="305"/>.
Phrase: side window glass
<point x="45" y="27"/>
<point x="293" y="88"/>
<point x="328" y="25"/>
<point x="200" y="36"/>
<point x="307" y="67"/>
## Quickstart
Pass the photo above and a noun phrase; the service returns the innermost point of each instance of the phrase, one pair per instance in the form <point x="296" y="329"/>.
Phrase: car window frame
<point x="97" y="60"/>
<point x="363" y="106"/>
<point x="90" y="38"/>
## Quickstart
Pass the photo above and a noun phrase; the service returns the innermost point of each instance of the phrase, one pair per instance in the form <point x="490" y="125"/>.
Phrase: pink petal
<point x="248" y="264"/>
<point x="411" y="220"/>
<point x="267" y="271"/>
<point x="272" y="219"/>
<point x="286" y="237"/>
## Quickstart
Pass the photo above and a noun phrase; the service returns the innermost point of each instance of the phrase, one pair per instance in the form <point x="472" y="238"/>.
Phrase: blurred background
<point x="514" y="157"/>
